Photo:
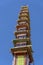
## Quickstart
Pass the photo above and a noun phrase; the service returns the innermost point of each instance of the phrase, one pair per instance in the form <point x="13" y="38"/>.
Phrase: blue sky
<point x="9" y="10"/>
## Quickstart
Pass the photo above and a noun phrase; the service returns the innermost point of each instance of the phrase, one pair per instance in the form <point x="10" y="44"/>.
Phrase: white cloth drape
<point x="27" y="60"/>
<point x="13" y="62"/>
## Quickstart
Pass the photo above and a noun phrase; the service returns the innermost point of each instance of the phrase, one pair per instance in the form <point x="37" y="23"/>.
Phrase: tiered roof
<point x="23" y="27"/>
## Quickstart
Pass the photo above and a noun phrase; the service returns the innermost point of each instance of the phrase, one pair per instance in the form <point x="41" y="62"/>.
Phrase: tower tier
<point x="23" y="50"/>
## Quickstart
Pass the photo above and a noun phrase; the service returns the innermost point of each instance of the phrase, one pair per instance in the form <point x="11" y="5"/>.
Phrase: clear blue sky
<point x="9" y="10"/>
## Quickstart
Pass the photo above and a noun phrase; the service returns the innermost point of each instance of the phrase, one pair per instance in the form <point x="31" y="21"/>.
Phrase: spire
<point x="22" y="44"/>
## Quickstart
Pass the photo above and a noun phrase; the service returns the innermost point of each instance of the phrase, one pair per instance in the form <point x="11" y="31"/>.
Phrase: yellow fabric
<point x="20" y="60"/>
